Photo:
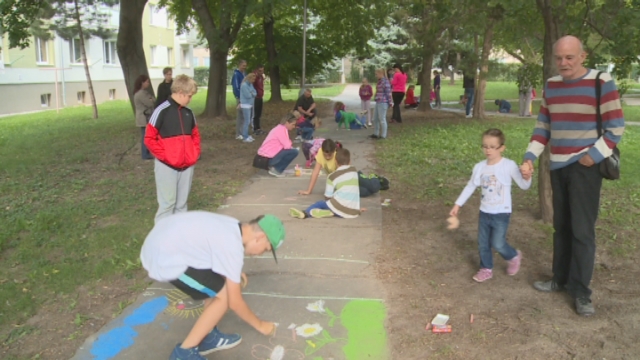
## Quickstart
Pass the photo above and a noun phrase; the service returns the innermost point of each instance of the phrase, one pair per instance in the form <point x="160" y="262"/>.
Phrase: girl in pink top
<point x="398" y="86"/>
<point x="277" y="146"/>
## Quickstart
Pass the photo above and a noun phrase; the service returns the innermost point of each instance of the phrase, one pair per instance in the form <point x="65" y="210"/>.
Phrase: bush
<point x="503" y="72"/>
<point x="201" y="75"/>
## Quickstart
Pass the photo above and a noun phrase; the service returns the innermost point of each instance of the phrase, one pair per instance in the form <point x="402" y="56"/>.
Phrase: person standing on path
<point x="143" y="102"/>
<point x="257" y="107"/>
<point x="247" y="101"/>
<point x="436" y="88"/>
<point x="399" y="85"/>
<point x="202" y="255"/>
<point x="164" y="88"/>
<point x="469" y="85"/>
<point x="366" y="92"/>
<point x="567" y="122"/>
<point x="383" y="101"/>
<point x="236" y="82"/>
<point x="172" y="136"/>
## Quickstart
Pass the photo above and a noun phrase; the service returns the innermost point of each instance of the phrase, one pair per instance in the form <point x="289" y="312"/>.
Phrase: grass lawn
<point x="75" y="208"/>
<point x="495" y="90"/>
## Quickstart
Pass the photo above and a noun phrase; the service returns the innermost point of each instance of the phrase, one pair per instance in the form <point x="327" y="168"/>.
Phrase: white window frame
<point x="110" y="52"/>
<point x="154" y="55"/>
<point x="112" y="94"/>
<point x="158" y="16"/>
<point x="45" y="100"/>
<point x="81" y="97"/>
<point x="72" y="51"/>
<point x="185" y="58"/>
<point x="40" y="60"/>
<point x="170" y="56"/>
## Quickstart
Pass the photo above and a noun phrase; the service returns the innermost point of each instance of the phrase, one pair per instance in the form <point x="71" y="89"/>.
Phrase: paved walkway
<point x="327" y="262"/>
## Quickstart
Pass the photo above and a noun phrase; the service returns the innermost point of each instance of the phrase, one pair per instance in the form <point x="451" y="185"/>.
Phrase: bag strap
<point x="598" y="114"/>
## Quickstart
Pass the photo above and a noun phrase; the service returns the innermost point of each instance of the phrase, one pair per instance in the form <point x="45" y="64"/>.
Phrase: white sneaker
<point x="469" y="116"/>
<point x="249" y="139"/>
<point x="298" y="138"/>
<point x="239" y="137"/>
<point x="275" y="173"/>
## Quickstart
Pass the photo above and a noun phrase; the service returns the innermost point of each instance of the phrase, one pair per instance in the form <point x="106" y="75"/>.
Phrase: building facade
<point x="50" y="74"/>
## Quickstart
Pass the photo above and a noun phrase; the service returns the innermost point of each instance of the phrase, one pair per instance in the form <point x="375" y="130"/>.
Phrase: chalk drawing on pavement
<point x="181" y="305"/>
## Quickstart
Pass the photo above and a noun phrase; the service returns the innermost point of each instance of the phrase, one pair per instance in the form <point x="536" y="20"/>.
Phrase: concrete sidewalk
<point x="323" y="293"/>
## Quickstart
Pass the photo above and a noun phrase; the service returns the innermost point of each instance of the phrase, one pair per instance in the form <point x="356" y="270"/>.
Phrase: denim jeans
<point x="380" y="120"/>
<point x="283" y="159"/>
<point x="492" y="233"/>
<point x="576" y="200"/>
<point x="248" y="116"/>
<point x="306" y="133"/>
<point x="468" y="92"/>
<point x="146" y="155"/>
<point x="322" y="204"/>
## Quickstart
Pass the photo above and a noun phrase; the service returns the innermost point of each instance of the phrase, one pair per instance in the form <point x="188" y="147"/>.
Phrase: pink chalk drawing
<point x="279" y="350"/>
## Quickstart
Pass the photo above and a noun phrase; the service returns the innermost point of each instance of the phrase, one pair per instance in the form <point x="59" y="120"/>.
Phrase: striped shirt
<point x="383" y="92"/>
<point x="567" y="120"/>
<point x="343" y="192"/>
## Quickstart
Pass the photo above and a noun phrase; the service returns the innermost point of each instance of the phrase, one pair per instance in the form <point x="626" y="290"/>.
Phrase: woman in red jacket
<point x="398" y="86"/>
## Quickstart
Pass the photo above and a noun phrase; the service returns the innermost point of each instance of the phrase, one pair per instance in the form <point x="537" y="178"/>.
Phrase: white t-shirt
<point x="197" y="239"/>
<point x="495" y="182"/>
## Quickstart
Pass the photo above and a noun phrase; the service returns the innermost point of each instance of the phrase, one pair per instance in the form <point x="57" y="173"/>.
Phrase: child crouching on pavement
<point x="350" y="120"/>
<point x="202" y="254"/>
<point x="342" y="194"/>
<point x="304" y="126"/>
<point x="493" y="176"/>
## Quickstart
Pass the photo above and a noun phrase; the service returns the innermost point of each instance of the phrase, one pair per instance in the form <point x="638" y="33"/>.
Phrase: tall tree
<point x="493" y="15"/>
<point x="130" y="44"/>
<point x="16" y="17"/>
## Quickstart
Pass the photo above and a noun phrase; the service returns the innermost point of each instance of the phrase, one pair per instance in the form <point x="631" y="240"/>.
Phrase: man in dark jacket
<point x="172" y="136"/>
<point x="236" y="81"/>
<point x="469" y="85"/>
<point x="306" y="105"/>
<point x="164" y="89"/>
<point x="257" y="106"/>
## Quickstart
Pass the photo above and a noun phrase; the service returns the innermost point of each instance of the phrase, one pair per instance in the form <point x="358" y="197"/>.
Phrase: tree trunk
<point x="478" y="104"/>
<point x="272" y="56"/>
<point x="217" y="88"/>
<point x="452" y="81"/>
<point x="425" y="81"/>
<point x="130" y="45"/>
<point x="84" y="61"/>
<point x="551" y="35"/>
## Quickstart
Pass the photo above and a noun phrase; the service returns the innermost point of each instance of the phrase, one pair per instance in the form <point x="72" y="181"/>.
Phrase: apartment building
<point x="50" y="74"/>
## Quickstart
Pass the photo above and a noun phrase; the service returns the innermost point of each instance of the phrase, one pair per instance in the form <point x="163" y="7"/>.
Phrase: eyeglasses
<point x="486" y="147"/>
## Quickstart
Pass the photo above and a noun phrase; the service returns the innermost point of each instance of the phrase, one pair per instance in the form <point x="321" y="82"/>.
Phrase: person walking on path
<point x="236" y="82"/>
<point x="172" y="136"/>
<point x="469" y="85"/>
<point x="567" y="122"/>
<point x="494" y="176"/>
<point x="164" y="88"/>
<point x="277" y="146"/>
<point x="525" y="96"/>
<point x="144" y="104"/>
<point x="366" y="92"/>
<point x="202" y="255"/>
<point x="399" y="85"/>
<point x="436" y="88"/>
<point x="247" y="100"/>
<point x="383" y="101"/>
<point x="257" y="107"/>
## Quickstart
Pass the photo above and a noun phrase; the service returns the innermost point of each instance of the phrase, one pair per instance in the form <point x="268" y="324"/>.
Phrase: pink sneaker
<point x="514" y="264"/>
<point x="483" y="275"/>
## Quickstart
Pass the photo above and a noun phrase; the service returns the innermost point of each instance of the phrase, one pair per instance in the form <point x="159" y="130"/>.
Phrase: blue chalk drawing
<point x="111" y="343"/>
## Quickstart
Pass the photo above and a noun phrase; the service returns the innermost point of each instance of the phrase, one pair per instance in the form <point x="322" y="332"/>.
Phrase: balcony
<point x="189" y="38"/>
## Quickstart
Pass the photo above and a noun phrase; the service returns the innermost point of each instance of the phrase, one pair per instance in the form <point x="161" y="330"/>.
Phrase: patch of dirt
<point x="65" y="321"/>
<point x="427" y="269"/>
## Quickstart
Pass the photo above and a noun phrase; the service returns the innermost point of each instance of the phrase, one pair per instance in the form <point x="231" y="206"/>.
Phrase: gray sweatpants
<point x="173" y="189"/>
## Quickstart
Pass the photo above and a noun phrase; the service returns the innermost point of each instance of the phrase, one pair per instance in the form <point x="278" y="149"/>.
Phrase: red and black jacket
<point x="172" y="135"/>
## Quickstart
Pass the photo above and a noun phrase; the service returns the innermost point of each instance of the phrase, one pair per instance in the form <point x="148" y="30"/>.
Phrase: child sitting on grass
<point x="493" y="176"/>
<point x="342" y="194"/>
<point x="304" y="125"/>
<point x="348" y="119"/>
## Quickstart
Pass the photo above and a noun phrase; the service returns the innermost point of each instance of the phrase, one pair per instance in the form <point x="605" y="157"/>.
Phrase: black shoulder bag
<point x="610" y="166"/>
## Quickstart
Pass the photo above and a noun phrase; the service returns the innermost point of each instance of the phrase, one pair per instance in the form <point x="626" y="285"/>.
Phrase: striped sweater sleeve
<point x="541" y="133"/>
<point x="612" y="120"/>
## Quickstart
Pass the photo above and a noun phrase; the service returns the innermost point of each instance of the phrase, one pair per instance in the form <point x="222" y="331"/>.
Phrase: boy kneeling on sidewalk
<point x="342" y="193"/>
<point x="202" y="254"/>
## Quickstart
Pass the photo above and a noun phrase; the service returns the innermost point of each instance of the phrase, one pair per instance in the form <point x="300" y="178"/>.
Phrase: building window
<point x="75" y="51"/>
<point x="154" y="55"/>
<point x="207" y="61"/>
<point x="158" y="16"/>
<point x="170" y="56"/>
<point x="45" y="100"/>
<point x="186" y="60"/>
<point x="110" y="52"/>
<point x="81" y="95"/>
<point x="112" y="94"/>
<point x="42" y="51"/>
<point x="196" y="62"/>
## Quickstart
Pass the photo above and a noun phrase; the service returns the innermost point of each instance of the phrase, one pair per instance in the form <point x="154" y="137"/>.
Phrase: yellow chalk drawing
<point x="181" y="305"/>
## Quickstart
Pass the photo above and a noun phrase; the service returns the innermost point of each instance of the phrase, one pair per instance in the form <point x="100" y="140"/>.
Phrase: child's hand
<point x="454" y="211"/>
<point x="304" y="192"/>
<point x="526" y="169"/>
<point x="243" y="280"/>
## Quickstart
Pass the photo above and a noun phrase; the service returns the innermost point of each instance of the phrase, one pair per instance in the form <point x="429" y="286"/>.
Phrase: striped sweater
<point x="343" y="192"/>
<point x="567" y="120"/>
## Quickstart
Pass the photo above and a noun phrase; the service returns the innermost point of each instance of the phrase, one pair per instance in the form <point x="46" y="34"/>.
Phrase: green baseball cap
<point x="274" y="229"/>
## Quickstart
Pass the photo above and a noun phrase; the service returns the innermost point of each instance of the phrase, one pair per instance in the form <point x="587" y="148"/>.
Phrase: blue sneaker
<point x="216" y="341"/>
<point x="185" y="354"/>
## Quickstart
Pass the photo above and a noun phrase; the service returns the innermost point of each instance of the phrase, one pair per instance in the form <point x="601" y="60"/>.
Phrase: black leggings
<point x="397" y="101"/>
